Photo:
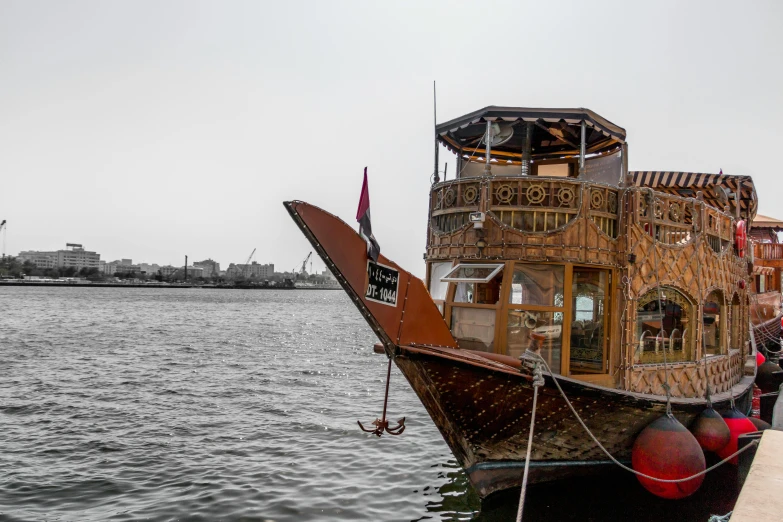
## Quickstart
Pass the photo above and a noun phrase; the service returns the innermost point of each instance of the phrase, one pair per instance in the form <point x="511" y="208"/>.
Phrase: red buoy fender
<point x="766" y="377"/>
<point x="667" y="450"/>
<point x="738" y="424"/>
<point x="760" y="424"/>
<point x="740" y="237"/>
<point x="710" y="430"/>
<point x="760" y="359"/>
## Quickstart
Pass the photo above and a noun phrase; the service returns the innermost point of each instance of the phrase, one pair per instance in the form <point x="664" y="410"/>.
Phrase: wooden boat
<point x="632" y="281"/>
<point x="767" y="262"/>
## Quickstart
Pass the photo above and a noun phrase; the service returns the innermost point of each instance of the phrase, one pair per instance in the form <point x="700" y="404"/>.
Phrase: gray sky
<point x="152" y="130"/>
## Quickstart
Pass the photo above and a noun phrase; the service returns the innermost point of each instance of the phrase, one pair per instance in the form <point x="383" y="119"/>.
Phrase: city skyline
<point x="57" y="261"/>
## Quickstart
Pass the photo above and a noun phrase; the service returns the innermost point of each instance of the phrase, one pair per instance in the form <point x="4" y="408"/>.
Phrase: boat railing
<point x="676" y="220"/>
<point x="452" y="202"/>
<point x="528" y="208"/>
<point x="527" y="204"/>
<point x="770" y="251"/>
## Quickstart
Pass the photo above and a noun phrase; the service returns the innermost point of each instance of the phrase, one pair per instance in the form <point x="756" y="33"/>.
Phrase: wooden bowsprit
<point x="382" y="424"/>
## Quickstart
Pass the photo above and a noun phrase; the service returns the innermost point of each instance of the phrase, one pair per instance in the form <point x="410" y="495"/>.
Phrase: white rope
<point x="611" y="457"/>
<point x="538" y="381"/>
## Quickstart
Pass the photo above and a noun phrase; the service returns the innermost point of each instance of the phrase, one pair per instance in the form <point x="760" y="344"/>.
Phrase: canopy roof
<point x="767" y="222"/>
<point x="556" y="132"/>
<point x="688" y="183"/>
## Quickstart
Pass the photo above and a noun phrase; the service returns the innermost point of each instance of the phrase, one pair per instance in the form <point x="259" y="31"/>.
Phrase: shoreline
<point x="169" y="286"/>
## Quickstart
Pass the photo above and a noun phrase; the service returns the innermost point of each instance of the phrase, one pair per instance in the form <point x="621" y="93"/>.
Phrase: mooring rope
<point x="611" y="457"/>
<point x="538" y="381"/>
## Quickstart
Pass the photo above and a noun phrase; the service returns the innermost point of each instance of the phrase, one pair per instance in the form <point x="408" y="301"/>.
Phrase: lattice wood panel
<point x="688" y="379"/>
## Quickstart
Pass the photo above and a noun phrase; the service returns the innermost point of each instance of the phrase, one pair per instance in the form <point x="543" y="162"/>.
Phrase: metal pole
<point x="435" y="175"/>
<point x="186" y="268"/>
<point x="582" y="149"/>
<point x="624" y="177"/>
<point x="527" y="147"/>
<point x="488" y="147"/>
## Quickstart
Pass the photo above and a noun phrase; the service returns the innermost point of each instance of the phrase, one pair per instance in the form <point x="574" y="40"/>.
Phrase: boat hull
<point x="483" y="412"/>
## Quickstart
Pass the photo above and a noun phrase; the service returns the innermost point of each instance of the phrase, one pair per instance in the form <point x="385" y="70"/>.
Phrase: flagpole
<point x="435" y="175"/>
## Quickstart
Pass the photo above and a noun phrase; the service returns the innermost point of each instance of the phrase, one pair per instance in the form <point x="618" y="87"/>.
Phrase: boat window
<point x="735" y="324"/>
<point x="473" y="273"/>
<point x="664" y="324"/>
<point x="714" y="324"/>
<point x="474" y="327"/>
<point x="479" y="293"/>
<point x="536" y="304"/>
<point x="589" y="326"/>
<point x="437" y="286"/>
<point x="549" y="324"/>
<point x="537" y="285"/>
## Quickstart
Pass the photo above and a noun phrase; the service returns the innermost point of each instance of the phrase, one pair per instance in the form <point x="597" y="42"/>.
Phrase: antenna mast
<point x="435" y="176"/>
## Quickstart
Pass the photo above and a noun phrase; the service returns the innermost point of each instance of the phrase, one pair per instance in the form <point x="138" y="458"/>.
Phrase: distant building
<point x="39" y="259"/>
<point x="179" y="272"/>
<point x="252" y="270"/>
<point x="122" y="266"/>
<point x="149" y="269"/>
<point x="211" y="268"/>
<point x="194" y="272"/>
<point x="168" y="270"/>
<point x="74" y="255"/>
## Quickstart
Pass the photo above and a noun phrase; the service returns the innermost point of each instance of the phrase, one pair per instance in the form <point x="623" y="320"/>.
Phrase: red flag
<point x="363" y="217"/>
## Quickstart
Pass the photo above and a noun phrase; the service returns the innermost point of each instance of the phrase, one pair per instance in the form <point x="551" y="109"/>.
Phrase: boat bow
<point x="412" y="317"/>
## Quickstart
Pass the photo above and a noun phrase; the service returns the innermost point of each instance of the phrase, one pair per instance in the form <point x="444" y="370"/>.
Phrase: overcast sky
<point x="154" y="130"/>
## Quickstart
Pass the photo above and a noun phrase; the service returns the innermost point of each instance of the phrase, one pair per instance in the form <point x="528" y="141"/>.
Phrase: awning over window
<point x="473" y="273"/>
<point x="763" y="270"/>
<point x="714" y="188"/>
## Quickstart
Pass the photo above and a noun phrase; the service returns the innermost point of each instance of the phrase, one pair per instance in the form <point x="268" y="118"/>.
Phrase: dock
<point x="760" y="499"/>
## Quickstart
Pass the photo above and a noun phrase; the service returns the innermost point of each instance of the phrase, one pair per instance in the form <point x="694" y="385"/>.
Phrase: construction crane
<point x="303" y="270"/>
<point x="247" y="264"/>
<point x="3" y="228"/>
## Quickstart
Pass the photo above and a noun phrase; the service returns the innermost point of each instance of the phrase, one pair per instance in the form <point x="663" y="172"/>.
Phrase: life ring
<point x="740" y="237"/>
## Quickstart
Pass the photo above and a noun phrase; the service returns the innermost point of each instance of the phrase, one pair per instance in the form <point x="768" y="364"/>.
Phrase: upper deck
<point x="554" y="185"/>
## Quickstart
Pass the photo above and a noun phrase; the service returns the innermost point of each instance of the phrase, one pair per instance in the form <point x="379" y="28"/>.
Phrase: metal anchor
<point x="382" y="424"/>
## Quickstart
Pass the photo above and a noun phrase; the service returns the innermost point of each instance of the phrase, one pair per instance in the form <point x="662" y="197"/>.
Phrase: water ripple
<point x="128" y="404"/>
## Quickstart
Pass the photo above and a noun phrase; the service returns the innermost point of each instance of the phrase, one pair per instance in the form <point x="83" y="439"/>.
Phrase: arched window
<point x="665" y="324"/>
<point x="715" y="324"/>
<point x="735" y="323"/>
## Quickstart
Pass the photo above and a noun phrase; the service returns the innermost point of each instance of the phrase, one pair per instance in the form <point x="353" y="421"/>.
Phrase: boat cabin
<point x="543" y="229"/>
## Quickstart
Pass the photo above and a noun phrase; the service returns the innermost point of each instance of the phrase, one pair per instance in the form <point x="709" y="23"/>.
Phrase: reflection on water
<point x="613" y="496"/>
<point x="151" y="404"/>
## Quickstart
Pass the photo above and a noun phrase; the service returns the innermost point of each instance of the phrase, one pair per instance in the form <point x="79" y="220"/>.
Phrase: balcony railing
<point x="534" y="205"/>
<point x="452" y="202"/>
<point x="527" y="204"/>
<point x="675" y="220"/>
<point x="768" y="250"/>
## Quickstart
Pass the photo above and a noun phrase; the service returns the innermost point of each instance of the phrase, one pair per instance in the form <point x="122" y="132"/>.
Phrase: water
<point x="188" y="404"/>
